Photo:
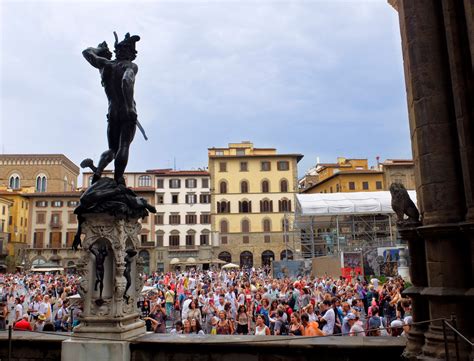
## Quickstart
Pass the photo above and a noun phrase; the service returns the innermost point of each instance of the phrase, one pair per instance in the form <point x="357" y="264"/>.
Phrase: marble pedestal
<point x="87" y="350"/>
<point x="115" y="315"/>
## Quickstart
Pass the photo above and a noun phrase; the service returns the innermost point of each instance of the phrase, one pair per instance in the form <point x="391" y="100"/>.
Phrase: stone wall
<point x="29" y="346"/>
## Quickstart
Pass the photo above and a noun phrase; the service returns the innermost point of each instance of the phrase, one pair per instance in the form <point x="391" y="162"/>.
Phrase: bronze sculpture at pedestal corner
<point x="100" y="255"/>
<point x="128" y="269"/>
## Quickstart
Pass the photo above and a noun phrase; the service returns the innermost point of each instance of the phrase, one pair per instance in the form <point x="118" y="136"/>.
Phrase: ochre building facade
<point x="252" y="200"/>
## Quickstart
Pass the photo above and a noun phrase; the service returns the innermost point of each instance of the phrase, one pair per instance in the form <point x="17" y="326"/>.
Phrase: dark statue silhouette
<point x="106" y="195"/>
<point x="118" y="80"/>
<point x="100" y="255"/>
<point x="128" y="271"/>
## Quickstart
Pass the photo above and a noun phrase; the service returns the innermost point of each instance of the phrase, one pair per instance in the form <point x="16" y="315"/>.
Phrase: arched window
<point x="223" y="187"/>
<point x="38" y="261"/>
<point x="267" y="225"/>
<point x="224" y="226"/>
<point x="245" y="207"/>
<point x="244" y="187"/>
<point x="223" y="207"/>
<point x="265" y="186"/>
<point x="41" y="183"/>
<point x="266" y="205"/>
<point x="204" y="237"/>
<point x="286" y="254"/>
<point x="225" y="256"/>
<point x="174" y="239"/>
<point x="284" y="186"/>
<point x="190" y="238"/>
<point x="246" y="259"/>
<point x="145" y="256"/>
<point x="284" y="205"/>
<point x="267" y="258"/>
<point x="245" y="226"/>
<point x="14" y="181"/>
<point x="144" y="181"/>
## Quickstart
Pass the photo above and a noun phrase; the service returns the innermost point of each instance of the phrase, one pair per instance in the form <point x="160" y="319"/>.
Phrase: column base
<point x="110" y="329"/>
<point x="416" y="340"/>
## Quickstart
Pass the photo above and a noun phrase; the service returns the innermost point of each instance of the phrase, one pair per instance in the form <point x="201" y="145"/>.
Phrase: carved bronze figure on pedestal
<point x="128" y="271"/>
<point x="100" y="255"/>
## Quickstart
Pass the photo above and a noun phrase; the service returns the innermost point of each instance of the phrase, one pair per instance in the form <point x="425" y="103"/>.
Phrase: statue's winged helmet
<point x="125" y="49"/>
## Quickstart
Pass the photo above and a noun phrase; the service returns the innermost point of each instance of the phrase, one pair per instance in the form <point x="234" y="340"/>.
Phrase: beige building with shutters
<point x="53" y="225"/>
<point x="252" y="199"/>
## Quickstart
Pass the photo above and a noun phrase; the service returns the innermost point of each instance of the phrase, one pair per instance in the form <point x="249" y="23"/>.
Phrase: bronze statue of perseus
<point x="118" y="80"/>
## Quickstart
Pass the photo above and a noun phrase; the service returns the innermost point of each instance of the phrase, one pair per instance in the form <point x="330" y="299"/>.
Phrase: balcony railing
<point x="147" y="244"/>
<point x="184" y="248"/>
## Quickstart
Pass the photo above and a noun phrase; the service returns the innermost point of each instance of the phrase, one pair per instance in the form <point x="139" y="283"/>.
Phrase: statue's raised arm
<point x="98" y="57"/>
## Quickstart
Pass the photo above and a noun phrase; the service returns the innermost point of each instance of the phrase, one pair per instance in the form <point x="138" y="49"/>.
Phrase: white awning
<point x="49" y="269"/>
<point x="346" y="203"/>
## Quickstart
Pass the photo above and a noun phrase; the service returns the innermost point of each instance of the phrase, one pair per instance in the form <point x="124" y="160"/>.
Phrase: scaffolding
<point x="325" y="235"/>
<point x="326" y="224"/>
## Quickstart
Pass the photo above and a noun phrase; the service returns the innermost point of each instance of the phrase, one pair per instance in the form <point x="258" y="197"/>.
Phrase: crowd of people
<point x="219" y="302"/>
<point x="38" y="302"/>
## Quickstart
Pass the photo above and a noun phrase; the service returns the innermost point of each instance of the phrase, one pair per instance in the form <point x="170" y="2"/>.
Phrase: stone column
<point x="418" y="277"/>
<point x="436" y="47"/>
<point x="113" y="316"/>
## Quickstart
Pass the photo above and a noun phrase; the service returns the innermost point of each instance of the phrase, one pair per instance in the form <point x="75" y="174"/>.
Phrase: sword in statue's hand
<point x="142" y="130"/>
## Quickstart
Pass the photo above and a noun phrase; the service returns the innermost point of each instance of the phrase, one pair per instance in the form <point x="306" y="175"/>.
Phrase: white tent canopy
<point x="346" y="203"/>
<point x="231" y="265"/>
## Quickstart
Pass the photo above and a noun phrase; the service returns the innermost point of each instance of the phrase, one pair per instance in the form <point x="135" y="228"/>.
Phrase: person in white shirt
<point x="328" y="319"/>
<point x="18" y="309"/>
<point x="186" y="303"/>
<point x="45" y="309"/>
<point x="221" y="303"/>
<point x="375" y="282"/>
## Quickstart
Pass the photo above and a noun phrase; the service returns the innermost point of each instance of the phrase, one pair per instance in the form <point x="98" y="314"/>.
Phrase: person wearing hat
<point x="356" y="325"/>
<point x="396" y="327"/>
<point x="39" y="324"/>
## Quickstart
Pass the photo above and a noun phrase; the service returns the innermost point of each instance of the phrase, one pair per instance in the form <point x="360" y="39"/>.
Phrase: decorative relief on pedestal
<point x="82" y="271"/>
<point x="101" y="308"/>
<point x="109" y="257"/>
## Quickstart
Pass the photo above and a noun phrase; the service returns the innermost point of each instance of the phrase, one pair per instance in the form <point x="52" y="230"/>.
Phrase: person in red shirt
<point x="23" y="324"/>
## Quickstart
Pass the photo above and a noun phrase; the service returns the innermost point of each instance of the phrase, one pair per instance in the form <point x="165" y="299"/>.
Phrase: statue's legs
<point x="100" y="280"/>
<point x="121" y="158"/>
<point x="113" y="137"/>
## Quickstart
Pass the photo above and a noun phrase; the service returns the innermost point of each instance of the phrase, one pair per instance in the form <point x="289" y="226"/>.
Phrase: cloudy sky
<point x="321" y="78"/>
